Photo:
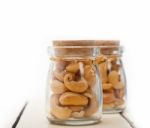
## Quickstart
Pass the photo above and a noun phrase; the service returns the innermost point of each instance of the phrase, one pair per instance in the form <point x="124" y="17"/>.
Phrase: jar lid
<point x="86" y="43"/>
<point x="73" y="42"/>
<point x="73" y="48"/>
<point x="109" y="47"/>
<point x="107" y="43"/>
<point x="106" y="47"/>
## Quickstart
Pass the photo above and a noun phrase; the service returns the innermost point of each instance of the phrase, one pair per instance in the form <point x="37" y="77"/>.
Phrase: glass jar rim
<point x="89" y="46"/>
<point x="117" y="50"/>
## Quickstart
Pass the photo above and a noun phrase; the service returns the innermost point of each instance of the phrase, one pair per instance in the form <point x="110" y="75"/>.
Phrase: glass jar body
<point x="113" y="83"/>
<point x="73" y="94"/>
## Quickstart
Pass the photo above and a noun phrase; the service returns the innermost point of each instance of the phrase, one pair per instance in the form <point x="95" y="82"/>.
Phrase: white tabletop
<point x="34" y="117"/>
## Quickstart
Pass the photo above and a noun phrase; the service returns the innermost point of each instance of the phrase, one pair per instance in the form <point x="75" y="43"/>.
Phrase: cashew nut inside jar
<point x="112" y="74"/>
<point x="73" y="94"/>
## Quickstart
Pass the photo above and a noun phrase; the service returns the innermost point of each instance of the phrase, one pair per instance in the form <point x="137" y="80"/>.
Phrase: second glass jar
<point x="112" y="73"/>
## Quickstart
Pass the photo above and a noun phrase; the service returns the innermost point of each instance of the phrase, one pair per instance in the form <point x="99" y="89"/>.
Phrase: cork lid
<point x="107" y="43"/>
<point x="106" y="47"/>
<point x="109" y="47"/>
<point x="86" y="43"/>
<point x="73" y="42"/>
<point x="73" y="48"/>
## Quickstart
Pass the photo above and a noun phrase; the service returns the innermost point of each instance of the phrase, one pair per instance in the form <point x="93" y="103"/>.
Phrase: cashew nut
<point x="118" y="85"/>
<point x="115" y="64"/>
<point x="58" y="111"/>
<point x="89" y="75"/>
<point x="113" y="77"/>
<point x="108" y="97"/>
<point x="119" y="93"/>
<point x="87" y="62"/>
<point x="75" y="86"/>
<point x="93" y="107"/>
<point x="58" y="87"/>
<point x="119" y="102"/>
<point x="108" y="106"/>
<point x="70" y="98"/>
<point x="59" y="75"/>
<point x="73" y="67"/>
<point x="106" y="86"/>
<point x="103" y="71"/>
<point x="60" y="65"/>
<point x="101" y="59"/>
<point x="115" y="67"/>
<point x="78" y="114"/>
<point x="76" y="108"/>
<point x="88" y="93"/>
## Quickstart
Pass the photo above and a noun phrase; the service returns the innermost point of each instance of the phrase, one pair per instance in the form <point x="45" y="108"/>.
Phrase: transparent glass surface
<point x="73" y="93"/>
<point x="113" y="79"/>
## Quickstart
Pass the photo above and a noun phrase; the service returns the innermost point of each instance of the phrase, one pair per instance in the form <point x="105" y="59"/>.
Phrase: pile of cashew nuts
<point x="72" y="90"/>
<point x="112" y="84"/>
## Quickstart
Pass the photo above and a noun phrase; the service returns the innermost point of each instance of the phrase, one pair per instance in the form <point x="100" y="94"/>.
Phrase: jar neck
<point x="111" y="51"/>
<point x="57" y="58"/>
<point x="82" y="52"/>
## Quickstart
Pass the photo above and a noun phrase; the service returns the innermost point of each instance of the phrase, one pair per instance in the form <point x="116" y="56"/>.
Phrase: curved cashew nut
<point x="75" y="86"/>
<point x="89" y="75"/>
<point x="114" y="63"/>
<point x="113" y="77"/>
<point x="93" y="107"/>
<point x="88" y="93"/>
<point x="60" y="65"/>
<point x="73" y="67"/>
<point x="106" y="86"/>
<point x="58" y="87"/>
<point x="120" y="93"/>
<point x="59" y="75"/>
<point x="118" y="85"/>
<point x="70" y="98"/>
<point x="108" y="97"/>
<point x="103" y="71"/>
<point x="58" y="111"/>
<point x="87" y="62"/>
<point x="119" y="90"/>
<point x="108" y="106"/>
<point x="119" y="102"/>
<point x="101" y="59"/>
<point x="78" y="114"/>
<point x="76" y="108"/>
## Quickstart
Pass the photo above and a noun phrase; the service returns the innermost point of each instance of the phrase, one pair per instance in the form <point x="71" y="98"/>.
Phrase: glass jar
<point x="74" y="94"/>
<point x="112" y="75"/>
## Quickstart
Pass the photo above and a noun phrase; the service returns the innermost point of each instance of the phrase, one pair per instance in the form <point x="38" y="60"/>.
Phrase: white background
<point x="27" y="27"/>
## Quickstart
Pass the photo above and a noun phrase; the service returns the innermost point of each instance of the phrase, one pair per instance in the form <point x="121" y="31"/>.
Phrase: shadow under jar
<point x="112" y="75"/>
<point x="74" y="94"/>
